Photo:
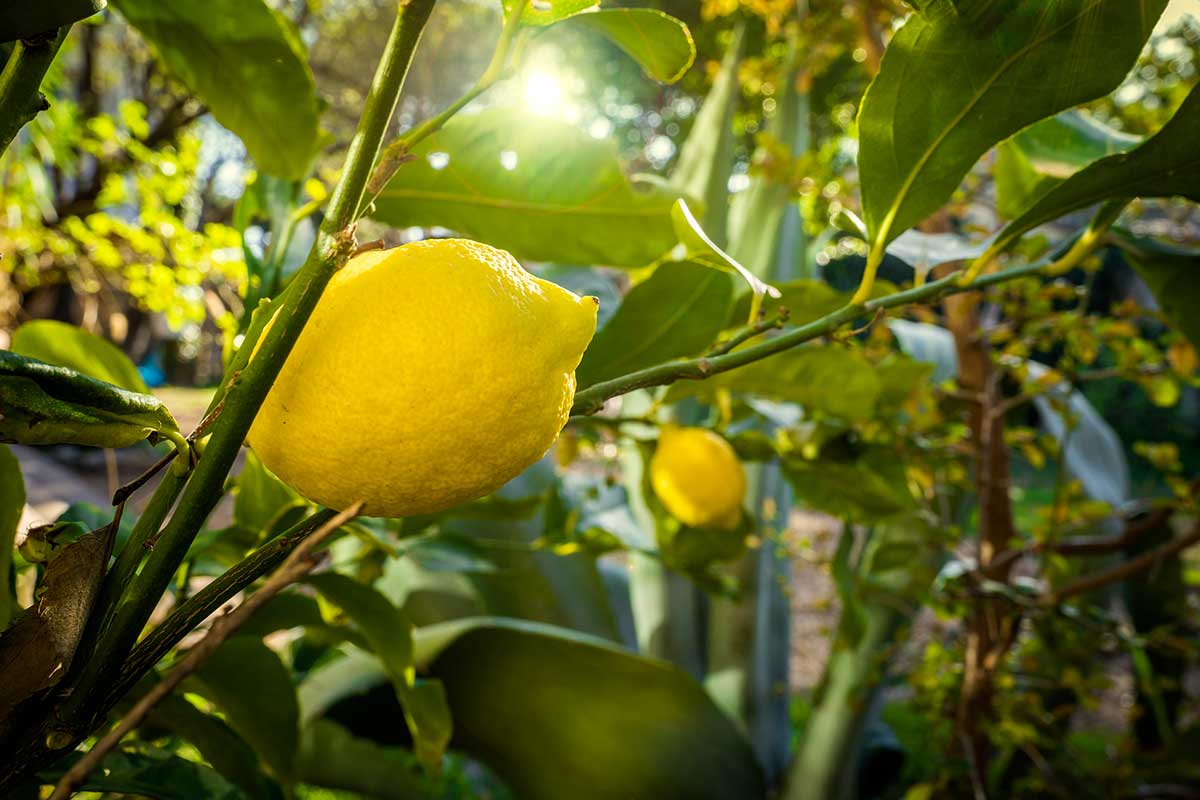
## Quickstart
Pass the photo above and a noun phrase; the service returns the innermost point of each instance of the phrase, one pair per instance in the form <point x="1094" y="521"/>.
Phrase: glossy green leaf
<point x="828" y="379"/>
<point x="1165" y="165"/>
<point x="389" y="634"/>
<point x="633" y="721"/>
<point x="254" y="689"/>
<point x="946" y="94"/>
<point x="12" y="503"/>
<point x="540" y="13"/>
<point x="565" y="198"/>
<point x="45" y="404"/>
<point x="247" y="64"/>
<point x="677" y="311"/>
<point x="68" y="346"/>
<point x="155" y="774"/>
<point x="1044" y="155"/>
<point x="1173" y="275"/>
<point x="24" y="20"/>
<point x="661" y="44"/>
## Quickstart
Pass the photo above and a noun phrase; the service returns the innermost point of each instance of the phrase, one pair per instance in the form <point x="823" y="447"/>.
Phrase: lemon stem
<point x="397" y="152"/>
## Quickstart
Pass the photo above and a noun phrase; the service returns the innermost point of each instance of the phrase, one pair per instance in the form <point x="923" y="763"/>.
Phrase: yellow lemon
<point x="427" y="376"/>
<point x="698" y="477"/>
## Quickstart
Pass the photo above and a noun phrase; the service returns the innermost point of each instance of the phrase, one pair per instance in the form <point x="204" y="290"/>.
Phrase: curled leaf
<point x="42" y="404"/>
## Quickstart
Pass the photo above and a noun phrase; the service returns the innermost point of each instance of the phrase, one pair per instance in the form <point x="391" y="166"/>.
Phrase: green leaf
<point x="156" y="774"/>
<point x="540" y="13"/>
<point x="1044" y="155"/>
<point x="564" y="200"/>
<point x="217" y="743"/>
<point x="283" y="612"/>
<point x="261" y="497"/>
<point x="633" y="721"/>
<point x="12" y="503"/>
<point x="389" y="633"/>
<point x="677" y="311"/>
<point x="254" y="689"/>
<point x="880" y="486"/>
<point x="25" y="20"/>
<point x="1165" y="165"/>
<point x="829" y="379"/>
<point x="45" y="404"/>
<point x="1173" y="275"/>
<point x="247" y="65"/>
<point x="68" y="346"/>
<point x="703" y="250"/>
<point x="946" y="94"/>
<point x="661" y="44"/>
<point x="330" y="756"/>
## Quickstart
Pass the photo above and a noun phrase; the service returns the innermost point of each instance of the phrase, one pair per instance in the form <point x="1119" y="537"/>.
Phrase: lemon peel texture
<point x="698" y="478"/>
<point x="428" y="375"/>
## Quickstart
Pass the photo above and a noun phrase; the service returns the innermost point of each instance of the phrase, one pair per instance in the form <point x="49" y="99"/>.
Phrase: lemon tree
<point x="403" y="401"/>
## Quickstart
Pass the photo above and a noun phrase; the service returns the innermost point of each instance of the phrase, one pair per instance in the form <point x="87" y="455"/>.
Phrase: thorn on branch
<point x="378" y="244"/>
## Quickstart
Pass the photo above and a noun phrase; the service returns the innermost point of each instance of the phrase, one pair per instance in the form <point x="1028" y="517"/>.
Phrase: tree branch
<point x="1145" y="561"/>
<point x="592" y="399"/>
<point x="190" y="614"/>
<point x="398" y="151"/>
<point x="297" y="565"/>
<point x="20" y="100"/>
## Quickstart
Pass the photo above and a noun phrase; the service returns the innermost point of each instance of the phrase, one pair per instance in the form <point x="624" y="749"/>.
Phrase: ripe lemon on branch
<point x="428" y="375"/>
<point x="698" y="478"/>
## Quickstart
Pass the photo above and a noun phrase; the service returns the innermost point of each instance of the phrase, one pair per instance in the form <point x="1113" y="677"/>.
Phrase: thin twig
<point x="592" y="399"/>
<point x="1121" y="572"/>
<point x="123" y="494"/>
<point x="297" y="565"/>
<point x="749" y="332"/>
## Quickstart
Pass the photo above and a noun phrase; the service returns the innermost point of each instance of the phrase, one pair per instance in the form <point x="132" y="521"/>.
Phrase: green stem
<point x="396" y="153"/>
<point x="20" y="100"/>
<point x="246" y="391"/>
<point x="130" y="557"/>
<point x="208" y="600"/>
<point x="592" y="399"/>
